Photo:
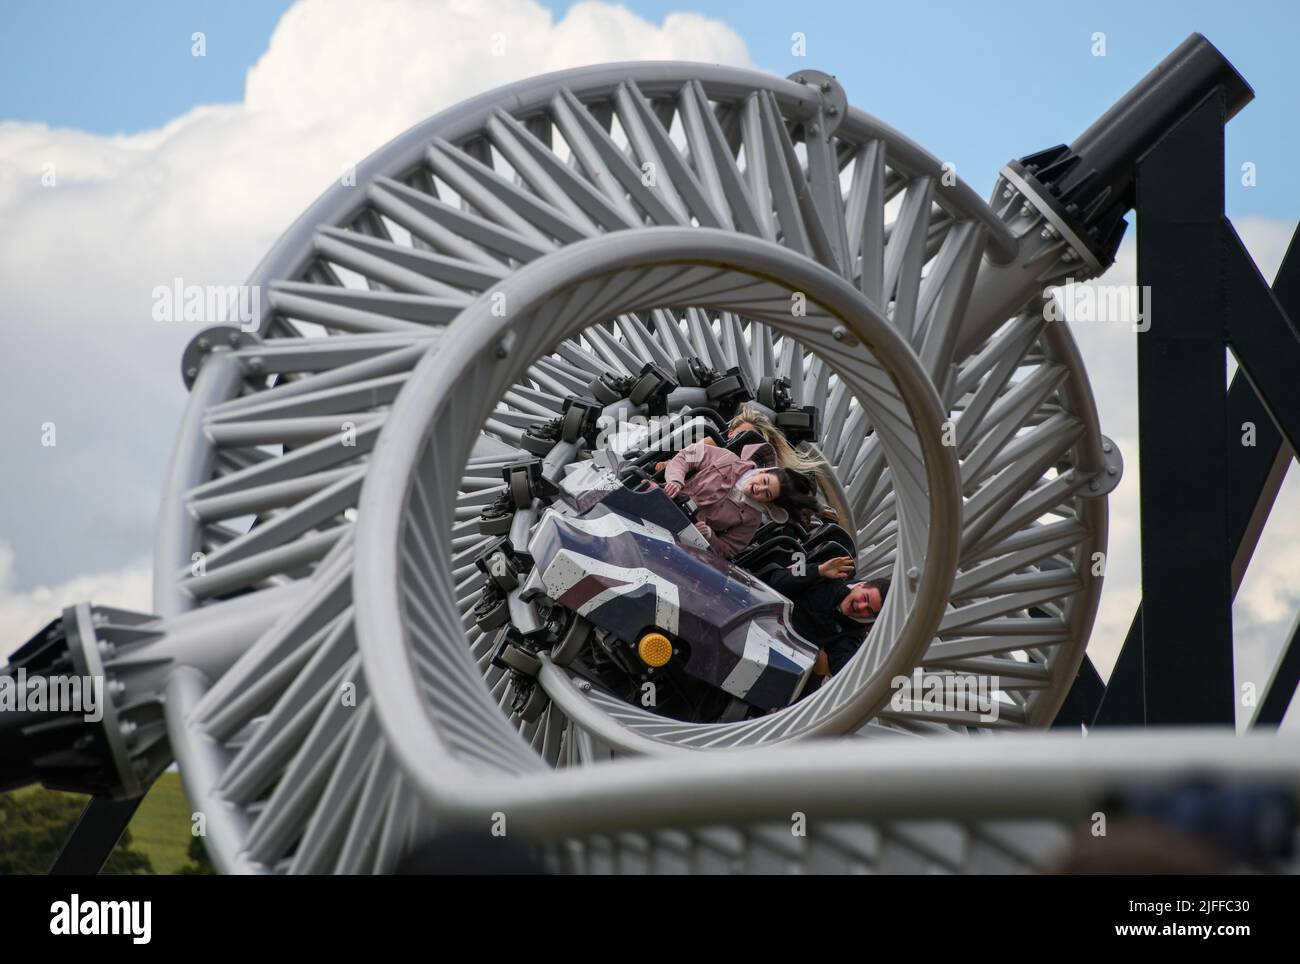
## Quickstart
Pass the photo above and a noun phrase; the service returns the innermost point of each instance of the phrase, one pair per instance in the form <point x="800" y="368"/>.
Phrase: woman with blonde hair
<point x="733" y="493"/>
<point x="788" y="457"/>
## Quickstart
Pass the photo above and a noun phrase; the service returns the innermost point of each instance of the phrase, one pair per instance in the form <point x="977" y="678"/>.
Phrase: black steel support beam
<point x="1082" y="700"/>
<point x="1262" y="337"/>
<point x="92" y="840"/>
<point x="1266" y="341"/>
<point x="1183" y="426"/>
<point x="1282" y="686"/>
<point x="1124" y="702"/>
<point x="1255" y="473"/>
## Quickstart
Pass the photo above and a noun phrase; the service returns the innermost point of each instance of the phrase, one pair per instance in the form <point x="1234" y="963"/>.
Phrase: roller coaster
<point x="356" y="644"/>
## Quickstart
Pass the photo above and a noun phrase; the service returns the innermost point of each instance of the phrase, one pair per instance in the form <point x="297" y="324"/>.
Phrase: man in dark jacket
<point x="829" y="610"/>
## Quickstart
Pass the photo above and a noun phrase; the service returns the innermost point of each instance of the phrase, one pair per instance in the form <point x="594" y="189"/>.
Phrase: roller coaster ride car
<point x="635" y="603"/>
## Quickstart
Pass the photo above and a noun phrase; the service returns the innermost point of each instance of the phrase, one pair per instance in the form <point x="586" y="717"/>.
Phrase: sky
<point x="166" y="164"/>
<point x="973" y="82"/>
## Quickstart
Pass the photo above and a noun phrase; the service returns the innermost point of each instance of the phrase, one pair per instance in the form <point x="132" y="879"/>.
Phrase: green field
<point x="160" y="829"/>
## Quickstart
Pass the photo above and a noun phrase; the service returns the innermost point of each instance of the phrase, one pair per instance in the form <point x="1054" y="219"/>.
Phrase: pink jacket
<point x="707" y="474"/>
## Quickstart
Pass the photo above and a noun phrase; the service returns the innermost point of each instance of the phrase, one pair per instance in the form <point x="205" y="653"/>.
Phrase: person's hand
<point x="672" y="488"/>
<point x="705" y="529"/>
<point x="822" y="667"/>
<point x="837" y="568"/>
<point x="660" y="466"/>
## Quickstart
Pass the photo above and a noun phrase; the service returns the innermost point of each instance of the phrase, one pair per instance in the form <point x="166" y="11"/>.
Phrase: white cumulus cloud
<point x="23" y="614"/>
<point x="92" y="224"/>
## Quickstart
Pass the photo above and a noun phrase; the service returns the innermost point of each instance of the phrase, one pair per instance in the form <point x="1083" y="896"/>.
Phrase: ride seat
<point x="830" y="533"/>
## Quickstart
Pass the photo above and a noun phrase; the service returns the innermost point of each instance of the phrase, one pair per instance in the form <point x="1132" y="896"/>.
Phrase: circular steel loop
<point x="432" y="427"/>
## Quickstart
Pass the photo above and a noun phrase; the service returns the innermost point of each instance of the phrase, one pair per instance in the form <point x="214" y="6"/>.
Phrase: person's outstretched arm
<point x="694" y="456"/>
<point x="785" y="580"/>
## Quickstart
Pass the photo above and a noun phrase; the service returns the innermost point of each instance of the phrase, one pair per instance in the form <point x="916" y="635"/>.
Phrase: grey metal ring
<point x="432" y="426"/>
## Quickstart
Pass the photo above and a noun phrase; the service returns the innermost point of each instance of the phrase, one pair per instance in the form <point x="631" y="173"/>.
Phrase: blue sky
<point x="975" y="83"/>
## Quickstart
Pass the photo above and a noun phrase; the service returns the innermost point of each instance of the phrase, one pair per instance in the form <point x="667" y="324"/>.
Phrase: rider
<point x="732" y="493"/>
<point x="808" y="464"/>
<point x="829" y="609"/>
